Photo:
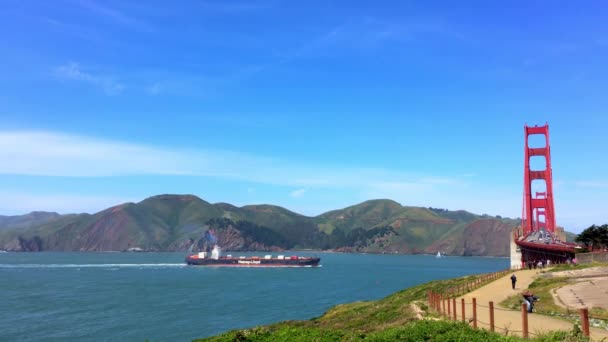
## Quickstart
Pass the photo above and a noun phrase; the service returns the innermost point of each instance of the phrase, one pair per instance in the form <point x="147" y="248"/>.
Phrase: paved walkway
<point x="589" y="290"/>
<point x="510" y="321"/>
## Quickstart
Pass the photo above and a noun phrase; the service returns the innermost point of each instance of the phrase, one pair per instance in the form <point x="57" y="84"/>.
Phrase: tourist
<point x="529" y="299"/>
<point x="513" y="281"/>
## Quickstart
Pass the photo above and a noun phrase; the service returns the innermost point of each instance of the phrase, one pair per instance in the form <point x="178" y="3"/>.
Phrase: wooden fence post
<point x="585" y="321"/>
<point x="437" y="303"/>
<point x="454" y="307"/>
<point x="449" y="308"/>
<point x="524" y="319"/>
<point x="462" y="306"/>
<point x="475" y="313"/>
<point x="491" y="316"/>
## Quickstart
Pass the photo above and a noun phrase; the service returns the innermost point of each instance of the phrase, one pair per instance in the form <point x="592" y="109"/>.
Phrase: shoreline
<point x="271" y="252"/>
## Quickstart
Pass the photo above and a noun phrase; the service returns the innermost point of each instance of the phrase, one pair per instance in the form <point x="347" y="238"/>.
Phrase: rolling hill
<point x="179" y="223"/>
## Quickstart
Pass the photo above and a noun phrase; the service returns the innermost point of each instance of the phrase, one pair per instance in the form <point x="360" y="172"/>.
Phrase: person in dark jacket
<point x="513" y="281"/>
<point x="530" y="298"/>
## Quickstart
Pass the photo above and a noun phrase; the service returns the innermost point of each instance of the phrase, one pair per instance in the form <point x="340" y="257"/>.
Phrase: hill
<point x="24" y="221"/>
<point x="179" y="223"/>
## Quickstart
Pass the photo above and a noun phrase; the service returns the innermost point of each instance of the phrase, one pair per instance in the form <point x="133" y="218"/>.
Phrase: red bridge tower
<point x="538" y="211"/>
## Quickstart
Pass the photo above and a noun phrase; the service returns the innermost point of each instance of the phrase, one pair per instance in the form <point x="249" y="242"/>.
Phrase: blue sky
<point x="309" y="105"/>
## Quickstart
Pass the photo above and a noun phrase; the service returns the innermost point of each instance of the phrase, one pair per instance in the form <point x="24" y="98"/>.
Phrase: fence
<point x="445" y="304"/>
<point x="588" y="258"/>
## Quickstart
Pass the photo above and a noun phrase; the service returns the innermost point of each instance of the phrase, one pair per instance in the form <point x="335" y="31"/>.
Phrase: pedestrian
<point x="529" y="299"/>
<point x="513" y="281"/>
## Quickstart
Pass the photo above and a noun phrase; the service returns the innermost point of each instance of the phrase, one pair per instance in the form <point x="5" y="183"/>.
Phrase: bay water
<point x="156" y="297"/>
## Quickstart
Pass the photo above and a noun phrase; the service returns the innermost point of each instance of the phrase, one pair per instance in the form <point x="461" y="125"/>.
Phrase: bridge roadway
<point x="511" y="320"/>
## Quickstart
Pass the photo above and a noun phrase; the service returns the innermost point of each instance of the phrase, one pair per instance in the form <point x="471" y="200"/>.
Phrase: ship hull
<point x="251" y="262"/>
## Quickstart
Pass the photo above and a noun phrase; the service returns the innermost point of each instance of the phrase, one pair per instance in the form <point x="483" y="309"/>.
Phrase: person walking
<point x="513" y="281"/>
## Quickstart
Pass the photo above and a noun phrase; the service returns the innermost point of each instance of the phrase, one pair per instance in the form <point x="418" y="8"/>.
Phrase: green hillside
<point x="178" y="222"/>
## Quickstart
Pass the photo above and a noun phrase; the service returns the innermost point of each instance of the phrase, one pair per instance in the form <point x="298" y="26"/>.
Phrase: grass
<point x="566" y="267"/>
<point x="424" y="330"/>
<point x="544" y="287"/>
<point x="393" y="318"/>
<point x="371" y="320"/>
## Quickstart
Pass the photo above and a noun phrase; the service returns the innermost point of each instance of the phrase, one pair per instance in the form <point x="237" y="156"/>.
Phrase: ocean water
<point x="156" y="297"/>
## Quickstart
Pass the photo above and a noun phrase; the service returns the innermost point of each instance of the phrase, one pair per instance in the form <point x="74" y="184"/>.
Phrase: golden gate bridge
<point x="538" y="238"/>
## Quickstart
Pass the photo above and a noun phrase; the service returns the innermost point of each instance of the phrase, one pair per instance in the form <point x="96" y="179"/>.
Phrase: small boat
<point x="439" y="254"/>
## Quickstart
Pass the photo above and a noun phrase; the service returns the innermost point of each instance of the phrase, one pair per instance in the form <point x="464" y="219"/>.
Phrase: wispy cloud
<point x="117" y="16"/>
<point x="234" y="6"/>
<point x="74" y="30"/>
<point x="591" y="184"/>
<point x="73" y="71"/>
<point x="154" y="82"/>
<point x="297" y="193"/>
<point x="58" y="154"/>
<point x="363" y="33"/>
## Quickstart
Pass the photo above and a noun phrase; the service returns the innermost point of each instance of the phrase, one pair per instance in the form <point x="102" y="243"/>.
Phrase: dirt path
<point x="510" y="321"/>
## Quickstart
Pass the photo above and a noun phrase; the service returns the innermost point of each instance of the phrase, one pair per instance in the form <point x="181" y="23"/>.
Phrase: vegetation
<point x="251" y="231"/>
<point x="176" y="222"/>
<point x="543" y="287"/>
<point x="414" y="331"/>
<point x="594" y="237"/>
<point x="424" y="330"/>
<point x="389" y="319"/>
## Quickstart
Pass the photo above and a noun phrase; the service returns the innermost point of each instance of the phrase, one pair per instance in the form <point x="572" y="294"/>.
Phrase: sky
<point x="309" y="105"/>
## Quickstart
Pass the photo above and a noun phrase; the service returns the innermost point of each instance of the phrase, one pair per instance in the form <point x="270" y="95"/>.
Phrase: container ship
<point x="216" y="259"/>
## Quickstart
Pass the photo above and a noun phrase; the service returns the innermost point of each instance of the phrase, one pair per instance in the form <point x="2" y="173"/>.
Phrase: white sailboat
<point x="438" y="254"/>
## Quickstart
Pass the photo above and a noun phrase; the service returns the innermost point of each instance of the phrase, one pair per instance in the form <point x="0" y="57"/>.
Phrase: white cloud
<point x="592" y="184"/>
<point x="117" y="16"/>
<point x="59" y="154"/>
<point x="72" y="71"/>
<point x="297" y="193"/>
